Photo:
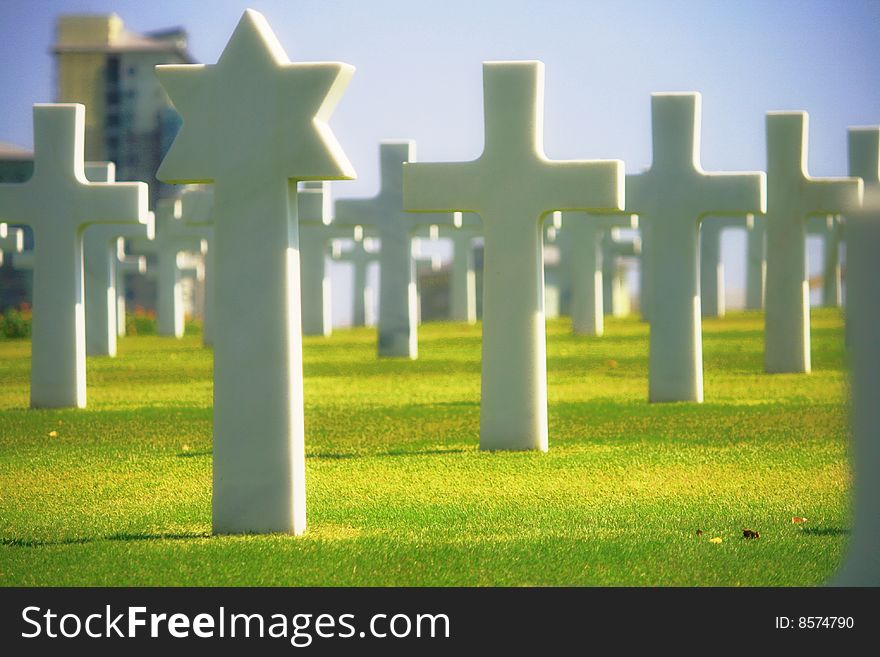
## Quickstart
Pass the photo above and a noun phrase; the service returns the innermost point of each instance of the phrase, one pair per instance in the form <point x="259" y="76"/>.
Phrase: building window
<point x="112" y="71"/>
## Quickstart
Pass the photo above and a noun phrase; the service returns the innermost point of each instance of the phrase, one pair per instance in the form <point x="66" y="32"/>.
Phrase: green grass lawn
<point x="398" y="492"/>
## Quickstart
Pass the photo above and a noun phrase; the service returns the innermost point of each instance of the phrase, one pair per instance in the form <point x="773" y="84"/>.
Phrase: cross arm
<point x="732" y="193"/>
<point x="442" y="186"/>
<point x="578" y="185"/>
<point x="112" y="203"/>
<point x="834" y="195"/>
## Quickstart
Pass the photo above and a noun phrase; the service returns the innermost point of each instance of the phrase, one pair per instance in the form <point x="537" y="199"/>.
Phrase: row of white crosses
<point x="272" y="117"/>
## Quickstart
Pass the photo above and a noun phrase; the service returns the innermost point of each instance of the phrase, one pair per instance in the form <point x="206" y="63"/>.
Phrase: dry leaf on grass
<point x="751" y="533"/>
<point x="797" y="520"/>
<point x="717" y="539"/>
<point x="53" y="434"/>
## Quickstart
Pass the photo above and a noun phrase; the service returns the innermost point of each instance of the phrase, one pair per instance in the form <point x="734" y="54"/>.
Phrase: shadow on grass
<point x="33" y="542"/>
<point x="396" y="452"/>
<point x="825" y="531"/>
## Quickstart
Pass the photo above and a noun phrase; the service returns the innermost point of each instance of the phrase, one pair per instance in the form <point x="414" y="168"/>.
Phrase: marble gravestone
<point x="671" y="198"/>
<point x="829" y="229"/>
<point x="101" y="245"/>
<point x="792" y="196"/>
<point x="360" y="254"/>
<point x="253" y="125"/>
<point x="713" y="301"/>
<point x="512" y="186"/>
<point x="616" y="298"/>
<point x="11" y="240"/>
<point x="125" y="265"/>
<point x="58" y="202"/>
<point x="193" y="266"/>
<point x="587" y="288"/>
<point x="861" y="565"/>
<point x="197" y="213"/>
<point x="316" y="230"/>
<point x="384" y="214"/>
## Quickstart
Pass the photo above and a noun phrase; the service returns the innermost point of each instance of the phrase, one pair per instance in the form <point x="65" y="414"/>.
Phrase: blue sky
<point x="419" y="75"/>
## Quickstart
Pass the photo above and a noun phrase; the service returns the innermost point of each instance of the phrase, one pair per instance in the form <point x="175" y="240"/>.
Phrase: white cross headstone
<point x="616" y="297"/>
<point x="125" y="265"/>
<point x="792" y="196"/>
<point x="100" y="255"/>
<point x="671" y="198"/>
<point x="861" y="566"/>
<point x="58" y="202"/>
<point x="196" y="212"/>
<point x="11" y="240"/>
<point x="384" y="213"/>
<point x="253" y="125"/>
<point x="587" y="288"/>
<point x="829" y="229"/>
<point x="512" y="186"/>
<point x="360" y="254"/>
<point x="713" y="301"/>
<point x="317" y="229"/>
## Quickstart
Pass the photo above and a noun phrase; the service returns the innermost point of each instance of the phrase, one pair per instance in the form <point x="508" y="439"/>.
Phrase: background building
<point x="129" y="118"/>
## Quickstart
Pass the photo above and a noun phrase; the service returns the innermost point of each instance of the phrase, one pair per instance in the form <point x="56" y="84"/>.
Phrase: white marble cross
<point x="384" y="213"/>
<point x="861" y="565"/>
<point x="317" y="229"/>
<point x="829" y="229"/>
<point x="713" y="301"/>
<point x="616" y="298"/>
<point x="197" y="213"/>
<point x="100" y="255"/>
<point x="58" y="202"/>
<point x="587" y="289"/>
<point x="125" y="264"/>
<point x="671" y="198"/>
<point x="253" y="125"/>
<point x="792" y="196"/>
<point x="512" y="186"/>
<point x="360" y="254"/>
<point x="11" y="240"/>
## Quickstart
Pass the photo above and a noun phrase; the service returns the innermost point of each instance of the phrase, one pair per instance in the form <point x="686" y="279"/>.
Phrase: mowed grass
<point x="398" y="491"/>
